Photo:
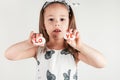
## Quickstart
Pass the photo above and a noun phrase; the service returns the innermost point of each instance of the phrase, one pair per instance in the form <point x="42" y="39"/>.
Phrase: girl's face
<point x="56" y="20"/>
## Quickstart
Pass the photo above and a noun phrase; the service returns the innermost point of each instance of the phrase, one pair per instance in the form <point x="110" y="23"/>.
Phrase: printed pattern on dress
<point x="67" y="75"/>
<point x="50" y="76"/>
<point x="65" y="51"/>
<point x="38" y="62"/>
<point x="75" y="77"/>
<point x="49" y="54"/>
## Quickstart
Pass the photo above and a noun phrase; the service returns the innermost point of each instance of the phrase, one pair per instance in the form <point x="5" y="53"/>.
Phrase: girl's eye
<point x="51" y="19"/>
<point x="62" y="19"/>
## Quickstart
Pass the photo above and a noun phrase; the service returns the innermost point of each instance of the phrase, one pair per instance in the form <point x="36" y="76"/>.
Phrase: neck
<point x="56" y="44"/>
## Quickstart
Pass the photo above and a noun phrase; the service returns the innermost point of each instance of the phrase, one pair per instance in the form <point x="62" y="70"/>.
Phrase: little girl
<point x="57" y="59"/>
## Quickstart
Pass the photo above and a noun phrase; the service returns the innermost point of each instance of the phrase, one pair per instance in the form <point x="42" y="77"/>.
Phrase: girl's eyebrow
<point x="63" y="15"/>
<point x="50" y="15"/>
<point x="60" y="15"/>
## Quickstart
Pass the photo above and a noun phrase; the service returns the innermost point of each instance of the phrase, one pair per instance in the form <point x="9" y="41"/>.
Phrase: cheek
<point x="66" y="27"/>
<point x="48" y="29"/>
<point x="67" y="24"/>
<point x="64" y="30"/>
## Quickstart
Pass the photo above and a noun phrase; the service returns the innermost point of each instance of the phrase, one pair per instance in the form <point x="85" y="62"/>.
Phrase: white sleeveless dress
<point x="56" y="65"/>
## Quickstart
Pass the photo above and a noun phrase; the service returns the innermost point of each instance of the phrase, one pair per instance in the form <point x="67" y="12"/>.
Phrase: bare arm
<point x="91" y="56"/>
<point x="87" y="54"/>
<point x="22" y="50"/>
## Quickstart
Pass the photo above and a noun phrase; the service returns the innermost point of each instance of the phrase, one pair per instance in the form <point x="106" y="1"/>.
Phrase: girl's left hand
<point x="75" y="43"/>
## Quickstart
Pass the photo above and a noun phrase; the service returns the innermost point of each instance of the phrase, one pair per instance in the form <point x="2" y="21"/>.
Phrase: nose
<point x="57" y="23"/>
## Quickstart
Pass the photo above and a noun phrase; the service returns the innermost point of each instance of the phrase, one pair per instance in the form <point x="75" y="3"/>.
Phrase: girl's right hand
<point x="36" y="39"/>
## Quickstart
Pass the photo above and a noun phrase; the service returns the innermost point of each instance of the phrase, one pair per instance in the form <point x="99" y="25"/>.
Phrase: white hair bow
<point x="69" y="2"/>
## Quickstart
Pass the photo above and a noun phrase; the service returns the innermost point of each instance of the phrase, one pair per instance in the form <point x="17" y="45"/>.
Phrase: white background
<point x="98" y="22"/>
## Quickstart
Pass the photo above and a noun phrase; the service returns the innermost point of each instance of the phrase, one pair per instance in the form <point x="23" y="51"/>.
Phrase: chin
<point x="58" y="37"/>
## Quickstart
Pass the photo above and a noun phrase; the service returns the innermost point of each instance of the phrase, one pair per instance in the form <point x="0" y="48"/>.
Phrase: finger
<point x="32" y="34"/>
<point x="71" y="30"/>
<point x="77" y="34"/>
<point x="74" y="32"/>
<point x="41" y="35"/>
<point x="37" y="35"/>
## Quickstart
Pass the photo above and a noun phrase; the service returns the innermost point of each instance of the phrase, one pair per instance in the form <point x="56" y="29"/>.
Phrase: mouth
<point x="57" y="30"/>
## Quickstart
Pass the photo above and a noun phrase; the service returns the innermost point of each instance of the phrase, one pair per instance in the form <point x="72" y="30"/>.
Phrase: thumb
<point x="68" y="41"/>
<point x="31" y="36"/>
<point x="77" y="35"/>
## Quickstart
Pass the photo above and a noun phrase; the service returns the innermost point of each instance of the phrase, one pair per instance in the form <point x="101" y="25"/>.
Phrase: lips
<point x="57" y="30"/>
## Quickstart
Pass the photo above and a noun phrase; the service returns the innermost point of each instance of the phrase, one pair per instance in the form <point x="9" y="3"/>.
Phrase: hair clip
<point x="74" y="2"/>
<point x="40" y="41"/>
<point x="69" y="2"/>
